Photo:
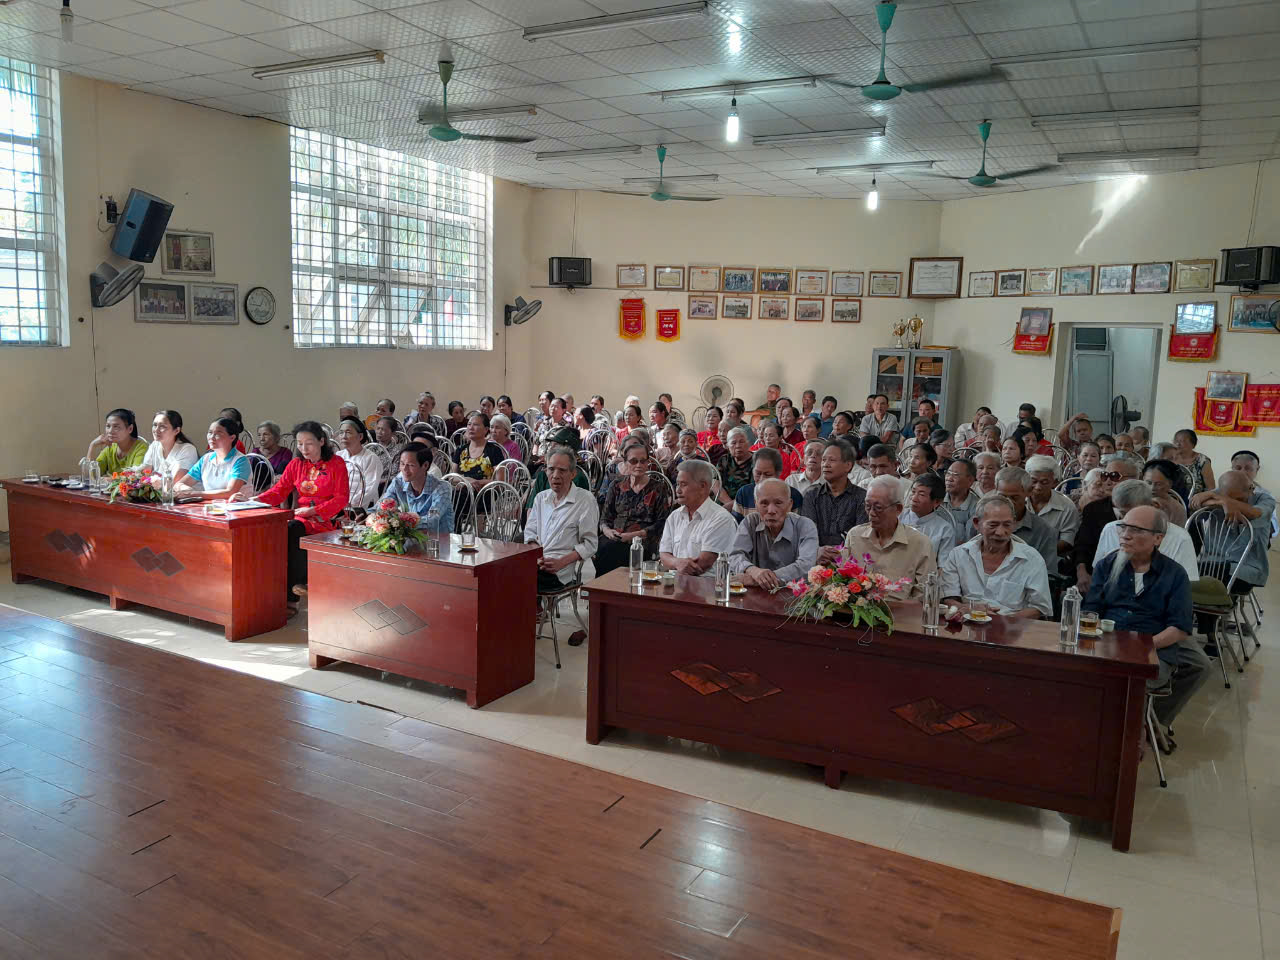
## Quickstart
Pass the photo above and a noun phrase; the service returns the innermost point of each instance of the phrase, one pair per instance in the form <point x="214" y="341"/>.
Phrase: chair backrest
<point x="522" y="430"/>
<point x="498" y="508"/>
<point x="358" y="494"/>
<point x="967" y="453"/>
<point x="289" y="442"/>
<point x="522" y="441"/>
<point x="246" y="440"/>
<point x="464" y="503"/>
<point x="594" y="468"/>
<point x="440" y="460"/>
<point x="515" y="473"/>
<point x="1222" y="544"/>
<point x="401" y="438"/>
<point x="328" y="430"/>
<point x="678" y="416"/>
<point x="603" y="443"/>
<point x="384" y="461"/>
<point x="531" y="415"/>
<point x="458" y="437"/>
<point x="436" y="422"/>
<point x="699" y="419"/>
<point x="904" y="456"/>
<point x="261" y="475"/>
<point x="660" y="478"/>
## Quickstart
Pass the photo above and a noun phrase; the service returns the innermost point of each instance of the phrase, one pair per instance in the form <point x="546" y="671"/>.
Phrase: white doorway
<point x="1105" y="362"/>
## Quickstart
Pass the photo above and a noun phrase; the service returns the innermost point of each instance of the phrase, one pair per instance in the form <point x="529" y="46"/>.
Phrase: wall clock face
<point x="260" y="305"/>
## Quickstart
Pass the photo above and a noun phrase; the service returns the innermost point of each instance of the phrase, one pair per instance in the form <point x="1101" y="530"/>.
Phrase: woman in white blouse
<point x="170" y="445"/>
<point x="364" y="470"/>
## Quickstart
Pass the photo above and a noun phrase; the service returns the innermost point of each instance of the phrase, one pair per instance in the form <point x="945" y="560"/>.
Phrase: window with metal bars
<point x="33" y="291"/>
<point x="389" y="250"/>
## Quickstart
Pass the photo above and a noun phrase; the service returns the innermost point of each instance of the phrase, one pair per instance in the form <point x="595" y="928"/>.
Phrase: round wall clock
<point x="260" y="305"/>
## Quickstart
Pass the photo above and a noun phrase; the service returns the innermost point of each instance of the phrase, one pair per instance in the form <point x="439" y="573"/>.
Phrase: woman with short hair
<point x="1012" y="452"/>
<point x="457" y="419"/>
<point x="477" y="455"/>
<point x="1199" y="468"/>
<point x="364" y="469"/>
<point x="1168" y="483"/>
<point x="986" y="464"/>
<point x="790" y="426"/>
<point x="269" y="434"/>
<point x="384" y="432"/>
<point x="635" y="507"/>
<point x="1092" y="489"/>
<point x="117" y="447"/>
<point x="630" y="420"/>
<point x="771" y="436"/>
<point x="500" y="431"/>
<point x="170" y="446"/>
<point x="223" y="471"/>
<point x="710" y="436"/>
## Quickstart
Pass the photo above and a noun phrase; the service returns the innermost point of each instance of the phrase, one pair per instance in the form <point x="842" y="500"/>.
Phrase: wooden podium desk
<point x="466" y="620"/>
<point x="227" y="570"/>
<point x="996" y="711"/>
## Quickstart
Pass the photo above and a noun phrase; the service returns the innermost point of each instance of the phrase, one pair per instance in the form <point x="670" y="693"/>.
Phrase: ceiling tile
<point x="643" y="59"/>
<point x="1148" y="99"/>
<point x="607" y="86"/>
<point x="242" y="50"/>
<point x="307" y="42"/>
<point x="580" y="110"/>
<point x="235" y="16"/>
<point x="509" y="46"/>
<point x="1151" y="79"/>
<point x="930" y="52"/>
<point x="1111" y="33"/>
<point x="162" y="25"/>
<point x="995" y="15"/>
<point x="378" y="31"/>
<point x="138" y="70"/>
<point x="312" y="11"/>
<point x="1121" y="9"/>
<point x="1019" y="43"/>
<point x="102" y="36"/>
<point x="454" y="19"/>
<point x="571" y="67"/>
<point x="190" y="62"/>
<point x="1241" y="21"/>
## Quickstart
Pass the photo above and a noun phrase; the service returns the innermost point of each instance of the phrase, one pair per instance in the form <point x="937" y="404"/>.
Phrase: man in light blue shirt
<point x="415" y="489"/>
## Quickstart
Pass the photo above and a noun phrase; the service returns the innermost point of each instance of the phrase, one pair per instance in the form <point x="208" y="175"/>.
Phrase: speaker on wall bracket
<point x="140" y="229"/>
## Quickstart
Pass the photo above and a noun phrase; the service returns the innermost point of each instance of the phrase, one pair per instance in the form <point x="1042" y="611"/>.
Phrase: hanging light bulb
<point x="873" y="198"/>
<point x="68" y="22"/>
<point x="731" y="125"/>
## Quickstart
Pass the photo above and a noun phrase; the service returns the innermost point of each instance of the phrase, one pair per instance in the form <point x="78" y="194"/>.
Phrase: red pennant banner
<point x="1218" y="418"/>
<point x="1261" y="407"/>
<point x="668" y="325"/>
<point x="1196" y="347"/>
<point x="1037" y="344"/>
<point x="631" y="318"/>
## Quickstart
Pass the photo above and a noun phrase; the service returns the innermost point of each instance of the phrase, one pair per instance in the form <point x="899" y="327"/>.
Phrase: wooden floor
<point x="156" y="806"/>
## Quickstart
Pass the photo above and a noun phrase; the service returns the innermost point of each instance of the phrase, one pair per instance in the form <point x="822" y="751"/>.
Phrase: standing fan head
<point x="716" y="389"/>
<point x="1121" y="415"/>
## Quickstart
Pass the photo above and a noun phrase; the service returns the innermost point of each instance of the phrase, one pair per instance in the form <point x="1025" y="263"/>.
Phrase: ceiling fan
<point x="446" y="132"/>
<point x="984" y="179"/>
<point x="882" y="89"/>
<point x="659" y="186"/>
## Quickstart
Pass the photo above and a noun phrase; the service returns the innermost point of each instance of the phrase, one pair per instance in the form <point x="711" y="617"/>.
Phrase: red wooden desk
<point x="466" y="620"/>
<point x="227" y="570"/>
<point x="996" y="711"/>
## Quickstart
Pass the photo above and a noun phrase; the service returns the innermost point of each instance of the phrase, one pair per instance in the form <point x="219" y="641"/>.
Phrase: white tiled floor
<point x="1202" y="880"/>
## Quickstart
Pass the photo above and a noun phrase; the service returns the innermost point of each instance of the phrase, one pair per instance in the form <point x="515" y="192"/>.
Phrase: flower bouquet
<point x="137" y="485"/>
<point x="388" y="529"/>
<point x="846" y="589"/>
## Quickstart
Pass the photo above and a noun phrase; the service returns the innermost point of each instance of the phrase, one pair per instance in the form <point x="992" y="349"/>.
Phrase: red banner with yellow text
<point x="668" y="322"/>
<point x="1261" y="407"/>
<point x="631" y="318"/>
<point x="1196" y="347"/>
<point x="1036" y="344"/>
<point x="1219" y="419"/>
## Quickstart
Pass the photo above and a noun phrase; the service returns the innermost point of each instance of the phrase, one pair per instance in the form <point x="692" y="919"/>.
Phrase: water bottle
<point x="166" y="483"/>
<point x="84" y="471"/>
<point x="637" y="560"/>
<point x="722" y="578"/>
<point x="932" y="598"/>
<point x="1069" y="628"/>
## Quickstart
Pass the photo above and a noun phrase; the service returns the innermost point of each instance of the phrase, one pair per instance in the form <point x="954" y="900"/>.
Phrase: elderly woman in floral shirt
<point x="636" y="506"/>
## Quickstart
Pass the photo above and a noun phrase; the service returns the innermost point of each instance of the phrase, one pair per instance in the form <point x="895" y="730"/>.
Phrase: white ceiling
<point x="597" y="89"/>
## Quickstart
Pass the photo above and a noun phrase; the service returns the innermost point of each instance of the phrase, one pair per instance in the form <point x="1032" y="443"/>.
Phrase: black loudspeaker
<point x="569" y="271"/>
<point x="1250" y="267"/>
<point x="141" y="226"/>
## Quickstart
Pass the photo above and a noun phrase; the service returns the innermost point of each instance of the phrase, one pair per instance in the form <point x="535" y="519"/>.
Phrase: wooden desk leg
<point x="596" y="731"/>
<point x="834" y="776"/>
<point x="1127" y="781"/>
<point x="118" y="603"/>
<point x="21" y="577"/>
<point x="318" y="662"/>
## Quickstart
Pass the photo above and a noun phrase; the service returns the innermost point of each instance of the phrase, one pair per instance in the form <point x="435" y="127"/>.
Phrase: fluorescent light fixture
<point x="1128" y="50"/>
<point x="873" y="198"/>
<point x="731" y="124"/>
<point x="490" y="112"/>
<point x="688" y="178"/>
<point x="680" y="11"/>
<point x="737" y="89"/>
<point x="869" y="133"/>
<point x="319" y="63"/>
<point x="592" y="152"/>
<point x="874" y="167"/>
<point x="1114" y="116"/>
<point x="1163" y="153"/>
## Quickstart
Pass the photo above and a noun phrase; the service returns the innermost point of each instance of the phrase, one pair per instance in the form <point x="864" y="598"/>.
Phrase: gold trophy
<point x="899" y="329"/>
<point x="917" y="326"/>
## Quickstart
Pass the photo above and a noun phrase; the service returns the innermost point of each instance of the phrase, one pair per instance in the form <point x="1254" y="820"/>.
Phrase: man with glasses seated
<point x="773" y="544"/>
<point x="1115" y="467"/>
<point x="1143" y="590"/>
<point x="835" y="505"/>
<point x="699" y="529"/>
<point x="565" y="521"/>
<point x="896" y="550"/>
<point x="997" y="566"/>
<point x="1175" y="544"/>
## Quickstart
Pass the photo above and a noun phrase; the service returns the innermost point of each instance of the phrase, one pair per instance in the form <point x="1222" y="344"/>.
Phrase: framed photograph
<point x="935" y="278"/>
<point x="774" y="280"/>
<point x="774" y="308"/>
<point x="846" y="310"/>
<point x="215" y="303"/>
<point x="1195" y="317"/>
<point x="809" y="309"/>
<point x="1115" y="278"/>
<point x="703" y="307"/>
<point x="884" y="283"/>
<point x="1011" y="283"/>
<point x="1194" y="276"/>
<point x="1258" y="314"/>
<point x="1226" y="386"/>
<point x="735" y="308"/>
<point x="812" y="282"/>
<point x="846" y="283"/>
<point x="704" y="279"/>
<point x="1035" y="321"/>
<point x="739" y="280"/>
<point x="668" y="277"/>
<point x="187" y="253"/>
<point x="1042" y="281"/>
<point x="982" y="283"/>
<point x="633" y="275"/>
<point x="1075" y="281"/>
<point x="156" y="301"/>
<point x="1152" y="277"/>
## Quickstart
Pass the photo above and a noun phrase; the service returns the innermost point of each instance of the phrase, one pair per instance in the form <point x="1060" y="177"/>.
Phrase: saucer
<point x="737" y="591"/>
<point x="1089" y="633"/>
<point x="970" y="618"/>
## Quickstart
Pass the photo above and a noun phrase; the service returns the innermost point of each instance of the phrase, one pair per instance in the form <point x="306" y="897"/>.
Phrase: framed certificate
<point x="935" y="278"/>
<point x="703" y="279"/>
<point x="811" y="283"/>
<point x="1042" y="280"/>
<point x="884" y="283"/>
<point x="982" y="283"/>
<point x="632" y="275"/>
<point x="1194" y="276"/>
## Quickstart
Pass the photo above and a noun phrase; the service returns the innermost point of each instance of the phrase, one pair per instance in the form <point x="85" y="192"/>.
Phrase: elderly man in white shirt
<point x="802" y="480"/>
<point x="1054" y="508"/>
<point x="699" y="529"/>
<point x="1176" y="544"/>
<point x="565" y="521"/>
<point x="1009" y="574"/>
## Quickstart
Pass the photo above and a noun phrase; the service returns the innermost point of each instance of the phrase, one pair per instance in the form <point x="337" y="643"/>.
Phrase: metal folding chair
<point x="261" y="476"/>
<point x="549" y="604"/>
<point x="498" y="507"/>
<point x="385" y="462"/>
<point x="464" y="503"/>
<point x="1222" y="545"/>
<point x="516" y="474"/>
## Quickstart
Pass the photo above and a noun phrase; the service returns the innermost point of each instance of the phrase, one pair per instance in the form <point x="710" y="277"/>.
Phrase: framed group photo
<point x="735" y="308"/>
<point x="846" y="310"/>
<point x="1115" y="278"/>
<point x="215" y="303"/>
<point x="774" y="280"/>
<point x="739" y="280"/>
<point x="1011" y="283"/>
<point x="775" y="308"/>
<point x="809" y="309"/>
<point x="1153" y="277"/>
<point x="1254" y="314"/>
<point x="1226" y="386"/>
<point x="1075" y="281"/>
<point x="157" y="301"/>
<point x="703" y="306"/>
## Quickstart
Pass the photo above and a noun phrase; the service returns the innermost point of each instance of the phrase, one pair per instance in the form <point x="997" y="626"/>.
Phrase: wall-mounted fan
<point x="108" y="285"/>
<point x="441" y="129"/>
<point x="882" y="89"/>
<point x="659" y="186"/>
<point x="715" y="390"/>
<point x="521" y="312"/>
<point x="984" y="179"/>
<point x="1121" y="415"/>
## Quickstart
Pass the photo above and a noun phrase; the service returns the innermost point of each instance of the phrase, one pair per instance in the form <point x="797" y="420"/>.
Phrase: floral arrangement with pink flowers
<point x="136" y="484"/>
<point x="847" y="587"/>
<point x="389" y="529"/>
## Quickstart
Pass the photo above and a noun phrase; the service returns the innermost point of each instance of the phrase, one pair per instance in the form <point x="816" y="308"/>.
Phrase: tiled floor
<point x="1201" y="881"/>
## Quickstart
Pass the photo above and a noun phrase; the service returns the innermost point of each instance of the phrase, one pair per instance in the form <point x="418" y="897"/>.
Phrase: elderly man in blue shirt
<point x="1143" y="590"/>
<point x="415" y="489"/>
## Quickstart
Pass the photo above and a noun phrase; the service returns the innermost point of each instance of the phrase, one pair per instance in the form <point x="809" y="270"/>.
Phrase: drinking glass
<point x="31" y="475"/>
<point x="977" y="606"/>
<point x="218" y="507"/>
<point x="1089" y="621"/>
<point x="651" y="573"/>
<point x="468" y="539"/>
<point x="735" y="583"/>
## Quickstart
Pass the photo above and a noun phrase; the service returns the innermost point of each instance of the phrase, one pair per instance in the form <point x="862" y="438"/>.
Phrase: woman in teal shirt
<point x="118" y="446"/>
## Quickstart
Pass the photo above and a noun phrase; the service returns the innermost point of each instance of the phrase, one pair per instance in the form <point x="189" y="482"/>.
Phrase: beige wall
<point x="1175" y="216"/>
<point x="573" y="343"/>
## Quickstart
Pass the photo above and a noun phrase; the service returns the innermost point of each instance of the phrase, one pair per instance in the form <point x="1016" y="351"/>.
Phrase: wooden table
<point x="227" y="570"/>
<point x="996" y="711"/>
<point x="466" y="620"/>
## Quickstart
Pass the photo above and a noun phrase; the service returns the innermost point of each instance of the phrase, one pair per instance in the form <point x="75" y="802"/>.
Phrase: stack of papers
<point x="233" y="505"/>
